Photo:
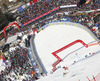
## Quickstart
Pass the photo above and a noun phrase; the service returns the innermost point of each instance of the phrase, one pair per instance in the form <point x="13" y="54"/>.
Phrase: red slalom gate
<point x="67" y="46"/>
<point x="9" y="26"/>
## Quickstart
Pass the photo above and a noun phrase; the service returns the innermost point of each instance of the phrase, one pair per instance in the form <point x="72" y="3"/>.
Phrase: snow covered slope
<point x="57" y="36"/>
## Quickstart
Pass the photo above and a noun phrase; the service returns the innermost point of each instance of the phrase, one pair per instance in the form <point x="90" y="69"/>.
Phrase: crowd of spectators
<point x="18" y="66"/>
<point x="86" y="19"/>
<point x="42" y="7"/>
<point x="11" y="31"/>
<point x="36" y="10"/>
<point x="39" y="8"/>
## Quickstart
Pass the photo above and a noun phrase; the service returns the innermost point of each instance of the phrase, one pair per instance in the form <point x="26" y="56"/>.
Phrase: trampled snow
<point x="55" y="37"/>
